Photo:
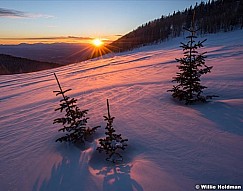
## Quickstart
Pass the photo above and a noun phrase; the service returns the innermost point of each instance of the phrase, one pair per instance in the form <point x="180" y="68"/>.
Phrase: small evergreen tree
<point x="112" y="142"/>
<point x="192" y="67"/>
<point x="75" y="120"/>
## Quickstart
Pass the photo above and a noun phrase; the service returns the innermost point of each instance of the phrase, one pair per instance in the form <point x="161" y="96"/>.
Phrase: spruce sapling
<point x="74" y="122"/>
<point x="192" y="67"/>
<point x="113" y="142"/>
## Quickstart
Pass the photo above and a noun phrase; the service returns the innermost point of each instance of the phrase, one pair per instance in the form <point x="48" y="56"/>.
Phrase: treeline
<point x="210" y="17"/>
<point x="16" y="65"/>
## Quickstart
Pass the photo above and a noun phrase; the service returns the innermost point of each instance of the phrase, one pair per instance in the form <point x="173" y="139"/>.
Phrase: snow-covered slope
<point x="171" y="146"/>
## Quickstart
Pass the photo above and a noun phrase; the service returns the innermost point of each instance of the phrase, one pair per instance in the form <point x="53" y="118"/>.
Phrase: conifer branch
<point x="108" y="108"/>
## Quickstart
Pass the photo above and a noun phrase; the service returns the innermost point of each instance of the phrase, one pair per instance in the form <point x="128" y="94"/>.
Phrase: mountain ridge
<point x="209" y="17"/>
<point x="16" y="65"/>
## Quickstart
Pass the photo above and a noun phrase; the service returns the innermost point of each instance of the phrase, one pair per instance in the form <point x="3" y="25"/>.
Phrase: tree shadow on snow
<point x="117" y="177"/>
<point x="70" y="174"/>
<point x="227" y="116"/>
<point x="77" y="172"/>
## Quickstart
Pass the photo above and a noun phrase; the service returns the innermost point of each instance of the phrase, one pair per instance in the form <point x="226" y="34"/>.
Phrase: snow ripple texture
<point x="171" y="146"/>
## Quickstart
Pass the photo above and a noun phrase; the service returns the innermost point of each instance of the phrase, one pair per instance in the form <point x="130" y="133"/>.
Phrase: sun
<point x="97" y="42"/>
<point x="98" y="47"/>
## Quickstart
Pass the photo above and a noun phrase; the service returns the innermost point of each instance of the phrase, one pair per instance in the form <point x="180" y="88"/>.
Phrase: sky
<point x="78" y="21"/>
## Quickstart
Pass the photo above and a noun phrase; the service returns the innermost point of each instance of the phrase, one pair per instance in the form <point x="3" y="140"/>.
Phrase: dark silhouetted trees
<point x="211" y="17"/>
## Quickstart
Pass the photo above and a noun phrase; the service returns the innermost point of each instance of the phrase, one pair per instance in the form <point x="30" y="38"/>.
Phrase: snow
<point x="170" y="146"/>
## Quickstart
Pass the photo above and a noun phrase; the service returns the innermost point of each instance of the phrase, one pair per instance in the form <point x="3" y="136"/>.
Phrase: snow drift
<point x="171" y="146"/>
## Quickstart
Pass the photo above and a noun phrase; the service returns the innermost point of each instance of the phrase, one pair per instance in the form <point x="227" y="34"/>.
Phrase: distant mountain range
<point x="61" y="53"/>
<point x="15" y="65"/>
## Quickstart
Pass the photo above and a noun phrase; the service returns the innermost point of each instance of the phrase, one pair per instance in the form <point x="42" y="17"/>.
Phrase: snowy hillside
<point x="171" y="146"/>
